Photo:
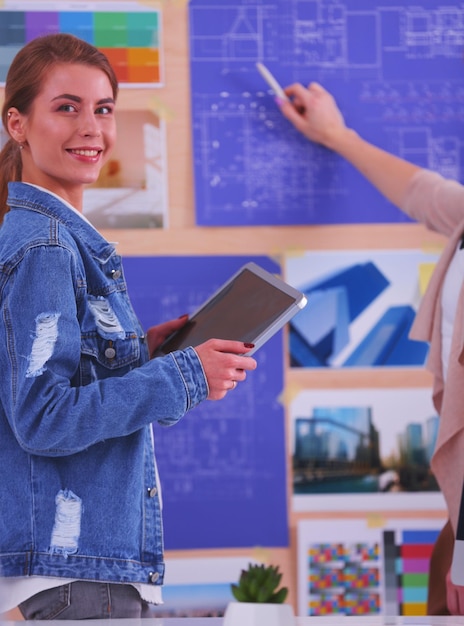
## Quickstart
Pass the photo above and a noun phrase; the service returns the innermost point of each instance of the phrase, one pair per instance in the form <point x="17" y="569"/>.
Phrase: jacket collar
<point x="32" y="198"/>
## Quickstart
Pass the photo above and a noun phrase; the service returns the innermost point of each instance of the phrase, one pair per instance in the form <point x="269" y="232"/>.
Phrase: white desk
<point x="300" y="621"/>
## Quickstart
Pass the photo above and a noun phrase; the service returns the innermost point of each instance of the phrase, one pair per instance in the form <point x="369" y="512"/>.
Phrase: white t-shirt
<point x="449" y="302"/>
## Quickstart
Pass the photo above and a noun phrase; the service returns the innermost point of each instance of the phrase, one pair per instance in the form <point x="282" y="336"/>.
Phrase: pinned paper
<point x="425" y="273"/>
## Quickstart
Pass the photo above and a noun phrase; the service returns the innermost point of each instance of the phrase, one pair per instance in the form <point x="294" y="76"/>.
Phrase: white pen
<point x="271" y="81"/>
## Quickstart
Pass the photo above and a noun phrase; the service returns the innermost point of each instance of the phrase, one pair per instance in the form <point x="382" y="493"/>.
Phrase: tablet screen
<point x="243" y="311"/>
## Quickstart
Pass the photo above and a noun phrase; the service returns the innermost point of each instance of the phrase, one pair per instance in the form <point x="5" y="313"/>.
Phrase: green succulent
<point x="260" y="583"/>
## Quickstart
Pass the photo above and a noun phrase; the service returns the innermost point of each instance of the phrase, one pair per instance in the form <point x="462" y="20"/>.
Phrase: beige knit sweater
<point x="439" y="204"/>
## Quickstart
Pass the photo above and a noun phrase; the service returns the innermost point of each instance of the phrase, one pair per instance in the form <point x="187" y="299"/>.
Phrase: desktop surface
<point x="330" y="620"/>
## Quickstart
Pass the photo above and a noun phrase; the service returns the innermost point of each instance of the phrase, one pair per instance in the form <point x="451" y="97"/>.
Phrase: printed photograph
<point x="363" y="449"/>
<point x="197" y="587"/>
<point x="131" y="191"/>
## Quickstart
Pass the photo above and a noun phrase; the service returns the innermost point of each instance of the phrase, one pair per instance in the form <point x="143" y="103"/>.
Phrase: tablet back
<point x="250" y="307"/>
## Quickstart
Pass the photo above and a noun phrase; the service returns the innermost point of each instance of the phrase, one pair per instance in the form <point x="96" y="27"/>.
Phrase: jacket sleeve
<point x="436" y="202"/>
<point x="40" y="354"/>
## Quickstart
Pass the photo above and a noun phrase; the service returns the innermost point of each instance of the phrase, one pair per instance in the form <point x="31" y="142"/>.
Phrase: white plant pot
<point x="256" y="614"/>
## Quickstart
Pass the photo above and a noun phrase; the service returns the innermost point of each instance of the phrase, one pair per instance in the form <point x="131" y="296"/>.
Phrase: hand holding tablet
<point x="250" y="307"/>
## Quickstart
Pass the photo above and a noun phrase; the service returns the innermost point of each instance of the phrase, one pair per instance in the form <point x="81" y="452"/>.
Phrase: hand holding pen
<point x="312" y="110"/>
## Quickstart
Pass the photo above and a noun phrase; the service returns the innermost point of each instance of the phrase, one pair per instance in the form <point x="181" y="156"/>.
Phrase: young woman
<point x="439" y="204"/>
<point x="80" y="521"/>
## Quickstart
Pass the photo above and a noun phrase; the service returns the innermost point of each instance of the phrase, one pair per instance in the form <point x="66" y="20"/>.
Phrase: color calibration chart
<point x="128" y="33"/>
<point x="225" y="462"/>
<point x="343" y="579"/>
<point x="379" y="568"/>
<point x="406" y="565"/>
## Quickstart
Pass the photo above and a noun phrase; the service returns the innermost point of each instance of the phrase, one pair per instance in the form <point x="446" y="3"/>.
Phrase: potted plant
<point x="260" y="599"/>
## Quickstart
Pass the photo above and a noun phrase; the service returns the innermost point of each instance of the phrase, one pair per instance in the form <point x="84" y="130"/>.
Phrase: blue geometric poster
<point x="394" y="68"/>
<point x="223" y="466"/>
<point x="362" y="304"/>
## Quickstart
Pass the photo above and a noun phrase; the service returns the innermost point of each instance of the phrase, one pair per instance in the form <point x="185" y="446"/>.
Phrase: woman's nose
<point x="89" y="125"/>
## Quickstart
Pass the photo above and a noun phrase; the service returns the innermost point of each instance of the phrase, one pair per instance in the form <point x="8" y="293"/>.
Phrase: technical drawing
<point x="224" y="462"/>
<point x="395" y="70"/>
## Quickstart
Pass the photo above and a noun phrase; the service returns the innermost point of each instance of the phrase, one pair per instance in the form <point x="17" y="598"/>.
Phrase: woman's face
<point x="70" y="131"/>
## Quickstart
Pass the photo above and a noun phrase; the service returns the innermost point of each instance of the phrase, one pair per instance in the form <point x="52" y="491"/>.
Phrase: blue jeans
<point x="85" y="600"/>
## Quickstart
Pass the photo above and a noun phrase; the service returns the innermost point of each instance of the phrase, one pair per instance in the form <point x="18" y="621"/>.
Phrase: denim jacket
<point x="78" y="491"/>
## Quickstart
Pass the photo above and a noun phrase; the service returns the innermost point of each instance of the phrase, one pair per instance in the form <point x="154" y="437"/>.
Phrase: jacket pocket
<point x="114" y="353"/>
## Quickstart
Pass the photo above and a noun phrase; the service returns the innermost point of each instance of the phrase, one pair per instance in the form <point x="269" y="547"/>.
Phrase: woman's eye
<point x="68" y="108"/>
<point x="104" y="110"/>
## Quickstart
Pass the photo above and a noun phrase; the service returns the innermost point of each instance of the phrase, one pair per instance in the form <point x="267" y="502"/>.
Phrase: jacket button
<point x="115" y="274"/>
<point x="153" y="577"/>
<point x="110" y="353"/>
<point x="152" y="492"/>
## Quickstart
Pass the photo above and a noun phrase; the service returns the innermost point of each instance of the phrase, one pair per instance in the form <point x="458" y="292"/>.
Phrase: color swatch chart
<point x="406" y="565"/>
<point x="380" y="566"/>
<point x="130" y="36"/>
<point x="344" y="579"/>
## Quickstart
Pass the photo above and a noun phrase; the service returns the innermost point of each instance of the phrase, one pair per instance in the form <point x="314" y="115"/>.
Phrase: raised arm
<point x="314" y="112"/>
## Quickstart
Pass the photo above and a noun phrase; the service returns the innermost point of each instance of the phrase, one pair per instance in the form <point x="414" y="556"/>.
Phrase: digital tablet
<point x="250" y="307"/>
<point x="457" y="563"/>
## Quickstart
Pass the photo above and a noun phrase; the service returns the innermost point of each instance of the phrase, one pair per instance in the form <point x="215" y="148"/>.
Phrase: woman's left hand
<point x="157" y="334"/>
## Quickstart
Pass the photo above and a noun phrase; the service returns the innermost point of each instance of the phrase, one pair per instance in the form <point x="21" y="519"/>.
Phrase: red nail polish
<point x="249" y="345"/>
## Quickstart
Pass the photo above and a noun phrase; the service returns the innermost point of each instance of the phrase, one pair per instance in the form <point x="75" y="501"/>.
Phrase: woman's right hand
<point x="225" y="364"/>
<point x="314" y="112"/>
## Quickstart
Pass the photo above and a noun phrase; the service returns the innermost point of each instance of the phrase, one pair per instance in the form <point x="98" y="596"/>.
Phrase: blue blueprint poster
<point x="223" y="466"/>
<point x="395" y="68"/>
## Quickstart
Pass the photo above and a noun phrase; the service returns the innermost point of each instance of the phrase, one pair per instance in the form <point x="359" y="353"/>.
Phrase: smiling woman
<point x="70" y="131"/>
<point x="78" y="389"/>
<point x="43" y="77"/>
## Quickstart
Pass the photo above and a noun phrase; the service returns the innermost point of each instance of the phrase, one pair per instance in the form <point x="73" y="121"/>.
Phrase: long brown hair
<point x="24" y="82"/>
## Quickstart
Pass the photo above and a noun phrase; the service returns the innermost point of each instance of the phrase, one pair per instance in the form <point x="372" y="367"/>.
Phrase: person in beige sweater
<point x="438" y="203"/>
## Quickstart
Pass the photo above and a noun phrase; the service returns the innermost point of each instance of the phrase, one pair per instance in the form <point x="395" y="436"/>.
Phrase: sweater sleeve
<point x="435" y="201"/>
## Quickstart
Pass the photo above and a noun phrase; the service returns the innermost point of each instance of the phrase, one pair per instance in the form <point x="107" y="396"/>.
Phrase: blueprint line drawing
<point x="396" y="71"/>
<point x="223" y="466"/>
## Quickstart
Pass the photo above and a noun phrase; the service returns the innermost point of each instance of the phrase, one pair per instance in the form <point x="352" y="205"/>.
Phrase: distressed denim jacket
<point x="78" y="490"/>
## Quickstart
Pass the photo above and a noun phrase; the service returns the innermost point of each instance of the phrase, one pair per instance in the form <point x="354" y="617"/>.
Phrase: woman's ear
<point x="16" y="127"/>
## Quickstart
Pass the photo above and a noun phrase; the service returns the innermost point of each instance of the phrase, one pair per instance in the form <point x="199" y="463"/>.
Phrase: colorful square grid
<point x="130" y="39"/>
<point x="344" y="579"/>
<point x="354" y="579"/>
<point x="380" y="566"/>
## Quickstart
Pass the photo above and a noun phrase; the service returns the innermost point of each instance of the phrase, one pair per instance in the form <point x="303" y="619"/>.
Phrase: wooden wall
<point x="172" y="103"/>
<point x="183" y="237"/>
